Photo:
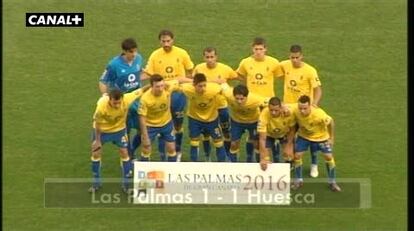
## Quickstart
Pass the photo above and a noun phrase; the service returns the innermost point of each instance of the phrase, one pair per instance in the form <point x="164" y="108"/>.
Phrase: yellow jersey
<point x="156" y="109"/>
<point x="313" y="127"/>
<point x="171" y="65"/>
<point x="110" y="119"/>
<point x="259" y="75"/>
<point x="298" y="81"/>
<point x="219" y="72"/>
<point x="275" y="127"/>
<point x="248" y="112"/>
<point x="202" y="107"/>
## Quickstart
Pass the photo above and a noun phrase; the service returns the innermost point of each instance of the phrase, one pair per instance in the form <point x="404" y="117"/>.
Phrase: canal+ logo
<point x="54" y="19"/>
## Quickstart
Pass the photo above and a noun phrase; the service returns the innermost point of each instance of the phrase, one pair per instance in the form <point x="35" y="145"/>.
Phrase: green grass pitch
<point x="50" y="89"/>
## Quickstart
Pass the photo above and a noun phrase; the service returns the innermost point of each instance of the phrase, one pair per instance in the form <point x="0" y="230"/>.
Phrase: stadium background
<point x="50" y="89"/>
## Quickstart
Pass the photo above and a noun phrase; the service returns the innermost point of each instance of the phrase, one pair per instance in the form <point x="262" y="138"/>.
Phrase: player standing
<point x="155" y="118"/>
<point x="258" y="71"/>
<point x="244" y="114"/>
<point x="300" y="78"/>
<point x="171" y="62"/>
<point x="123" y="73"/>
<point x="203" y="115"/>
<point x="219" y="73"/>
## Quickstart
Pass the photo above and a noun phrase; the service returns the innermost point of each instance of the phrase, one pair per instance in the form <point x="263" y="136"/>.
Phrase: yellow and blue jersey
<point x="298" y="81"/>
<point x="110" y="119"/>
<point x="219" y="72"/>
<point x="119" y="74"/>
<point x="170" y="65"/>
<point x="275" y="127"/>
<point x="313" y="127"/>
<point x="248" y="112"/>
<point x="156" y="109"/>
<point x="259" y="75"/>
<point x="202" y="107"/>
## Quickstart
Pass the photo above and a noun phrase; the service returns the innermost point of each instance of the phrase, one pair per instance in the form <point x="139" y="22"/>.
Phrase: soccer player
<point x="219" y="73"/>
<point x="244" y="114"/>
<point x="202" y="114"/>
<point x="258" y="72"/>
<point x="123" y="73"/>
<point x="109" y="123"/>
<point x="155" y="118"/>
<point x="274" y="125"/>
<point x="171" y="62"/>
<point x="301" y="78"/>
<point x="317" y="128"/>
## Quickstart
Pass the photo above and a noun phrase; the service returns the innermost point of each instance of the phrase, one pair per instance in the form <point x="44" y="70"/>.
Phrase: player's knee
<point x="96" y="156"/>
<point x="328" y="157"/>
<point x="123" y="152"/>
<point x="171" y="153"/>
<point x="218" y="143"/>
<point x="195" y="142"/>
<point x="170" y="146"/>
<point x="330" y="161"/>
<point x="234" y="146"/>
<point x="145" y="153"/>
<point x="178" y="128"/>
<point x="298" y="162"/>
<point x="297" y="156"/>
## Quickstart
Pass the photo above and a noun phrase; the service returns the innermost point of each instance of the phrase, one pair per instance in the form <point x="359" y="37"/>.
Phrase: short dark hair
<point x="295" y="48"/>
<point x="259" y="41"/>
<point x="209" y="49"/>
<point x="199" y="78"/>
<point x="115" y="94"/>
<point x="240" y="90"/>
<point x="304" y="99"/>
<point x="165" y="32"/>
<point x="129" y="44"/>
<point x="275" y="101"/>
<point x="155" y="78"/>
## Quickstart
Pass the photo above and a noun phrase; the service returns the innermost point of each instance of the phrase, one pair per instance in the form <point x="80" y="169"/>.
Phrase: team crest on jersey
<point x="169" y="69"/>
<point x="259" y="76"/>
<point x="162" y="106"/>
<point x="276" y="130"/>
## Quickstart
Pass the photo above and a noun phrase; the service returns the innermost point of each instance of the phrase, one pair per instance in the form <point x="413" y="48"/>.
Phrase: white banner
<point x="211" y="183"/>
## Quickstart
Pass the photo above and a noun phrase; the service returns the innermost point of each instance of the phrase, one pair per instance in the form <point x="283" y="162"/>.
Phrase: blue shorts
<point x="197" y="127"/>
<point x="119" y="138"/>
<point x="302" y="144"/>
<point x="270" y="141"/>
<point x="178" y="102"/>
<point x="224" y="119"/>
<point x="133" y="117"/>
<point x="237" y="130"/>
<point x="165" y="132"/>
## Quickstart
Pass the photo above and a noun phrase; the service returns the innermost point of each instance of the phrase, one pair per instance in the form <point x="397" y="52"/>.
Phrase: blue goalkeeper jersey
<point x="119" y="74"/>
